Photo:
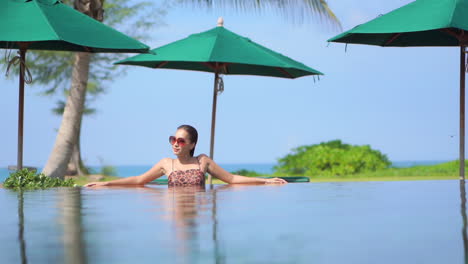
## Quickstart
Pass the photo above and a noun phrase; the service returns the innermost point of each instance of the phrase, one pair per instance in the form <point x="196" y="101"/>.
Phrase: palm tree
<point x="75" y="165"/>
<point x="68" y="133"/>
<point x="69" y="130"/>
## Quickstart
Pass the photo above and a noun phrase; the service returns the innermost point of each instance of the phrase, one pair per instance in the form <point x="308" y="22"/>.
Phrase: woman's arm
<point x="220" y="173"/>
<point x="155" y="172"/>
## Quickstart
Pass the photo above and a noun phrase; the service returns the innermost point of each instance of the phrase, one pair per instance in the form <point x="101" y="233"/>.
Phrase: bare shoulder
<point x="204" y="161"/>
<point x="166" y="161"/>
<point x="163" y="164"/>
<point x="203" y="158"/>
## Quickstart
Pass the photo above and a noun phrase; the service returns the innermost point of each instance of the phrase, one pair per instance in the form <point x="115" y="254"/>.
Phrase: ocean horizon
<point x="265" y="168"/>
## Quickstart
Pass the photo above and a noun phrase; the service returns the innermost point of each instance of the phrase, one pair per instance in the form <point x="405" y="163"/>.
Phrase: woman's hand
<point x="275" y="181"/>
<point x="96" y="184"/>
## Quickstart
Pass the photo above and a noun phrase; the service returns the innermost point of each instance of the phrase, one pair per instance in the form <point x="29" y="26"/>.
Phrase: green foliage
<point x="445" y="169"/>
<point x="108" y="171"/>
<point x="245" y="172"/>
<point x="28" y="180"/>
<point x="441" y="171"/>
<point x="331" y="158"/>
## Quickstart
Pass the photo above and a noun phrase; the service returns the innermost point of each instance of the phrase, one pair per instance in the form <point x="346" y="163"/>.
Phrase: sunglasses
<point x="180" y="141"/>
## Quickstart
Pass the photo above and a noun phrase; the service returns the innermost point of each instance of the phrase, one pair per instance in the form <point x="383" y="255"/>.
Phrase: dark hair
<point x="193" y="134"/>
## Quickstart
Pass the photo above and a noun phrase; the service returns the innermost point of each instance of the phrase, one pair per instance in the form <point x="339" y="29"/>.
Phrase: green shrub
<point x="108" y="171"/>
<point x="28" y="180"/>
<point x="245" y="172"/>
<point x="331" y="158"/>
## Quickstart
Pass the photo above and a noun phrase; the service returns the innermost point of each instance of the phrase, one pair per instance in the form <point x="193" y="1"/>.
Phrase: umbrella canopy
<point x="234" y="55"/>
<point x="221" y="51"/>
<point x="421" y="23"/>
<point x="52" y="25"/>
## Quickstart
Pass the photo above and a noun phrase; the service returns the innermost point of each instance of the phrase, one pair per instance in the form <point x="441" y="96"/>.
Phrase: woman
<point x="185" y="170"/>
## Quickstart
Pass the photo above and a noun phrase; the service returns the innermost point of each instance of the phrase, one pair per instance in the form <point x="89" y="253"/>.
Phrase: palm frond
<point x="296" y="11"/>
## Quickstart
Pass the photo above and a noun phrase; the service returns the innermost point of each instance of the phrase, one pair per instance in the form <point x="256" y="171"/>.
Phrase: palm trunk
<point x="76" y="165"/>
<point x="72" y="220"/>
<point x="72" y="168"/>
<point x="67" y="135"/>
<point x="76" y="156"/>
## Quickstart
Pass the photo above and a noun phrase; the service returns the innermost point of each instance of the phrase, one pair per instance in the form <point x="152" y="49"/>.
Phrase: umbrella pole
<point x="462" y="111"/>
<point x="213" y="120"/>
<point x="19" y="163"/>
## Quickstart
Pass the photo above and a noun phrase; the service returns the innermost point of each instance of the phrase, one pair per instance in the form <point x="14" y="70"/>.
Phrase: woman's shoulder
<point x="203" y="158"/>
<point x="165" y="161"/>
<point x="204" y="162"/>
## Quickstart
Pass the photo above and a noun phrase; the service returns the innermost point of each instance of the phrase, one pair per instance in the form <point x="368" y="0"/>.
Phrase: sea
<point x="262" y="168"/>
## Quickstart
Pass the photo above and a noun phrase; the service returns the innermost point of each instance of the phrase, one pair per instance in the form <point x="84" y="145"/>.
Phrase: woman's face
<point x="181" y="144"/>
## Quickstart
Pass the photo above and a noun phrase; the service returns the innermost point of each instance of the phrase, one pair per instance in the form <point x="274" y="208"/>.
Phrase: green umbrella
<point x="52" y="25"/>
<point x="421" y="23"/>
<point x="221" y="51"/>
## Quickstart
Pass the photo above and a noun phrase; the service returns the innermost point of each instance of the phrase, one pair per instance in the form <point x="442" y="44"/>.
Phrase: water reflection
<point x="463" y="213"/>
<point x="186" y="203"/>
<point x="70" y="217"/>
<point x="167" y="225"/>
<point x="188" y="206"/>
<point x="191" y="215"/>
<point x="22" y="243"/>
<point x="218" y="257"/>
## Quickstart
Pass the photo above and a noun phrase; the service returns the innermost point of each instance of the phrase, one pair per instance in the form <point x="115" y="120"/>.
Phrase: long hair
<point x="193" y="134"/>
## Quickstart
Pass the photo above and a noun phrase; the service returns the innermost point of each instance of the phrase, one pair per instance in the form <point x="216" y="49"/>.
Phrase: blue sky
<point x="401" y="101"/>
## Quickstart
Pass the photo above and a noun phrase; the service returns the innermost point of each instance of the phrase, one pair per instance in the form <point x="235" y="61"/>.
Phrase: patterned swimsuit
<point x="188" y="177"/>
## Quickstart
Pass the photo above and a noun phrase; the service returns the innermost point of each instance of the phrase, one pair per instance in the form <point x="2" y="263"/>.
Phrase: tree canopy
<point x="332" y="158"/>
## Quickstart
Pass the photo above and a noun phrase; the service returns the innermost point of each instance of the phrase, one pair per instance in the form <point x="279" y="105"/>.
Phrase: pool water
<point x="349" y="222"/>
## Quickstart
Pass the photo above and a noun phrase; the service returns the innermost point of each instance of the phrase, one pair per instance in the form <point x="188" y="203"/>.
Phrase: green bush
<point x="108" y="171"/>
<point x="331" y="158"/>
<point x="28" y="180"/>
<point x="245" y="172"/>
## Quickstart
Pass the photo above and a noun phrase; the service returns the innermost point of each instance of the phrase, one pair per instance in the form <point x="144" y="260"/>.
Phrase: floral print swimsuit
<point x="188" y="177"/>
